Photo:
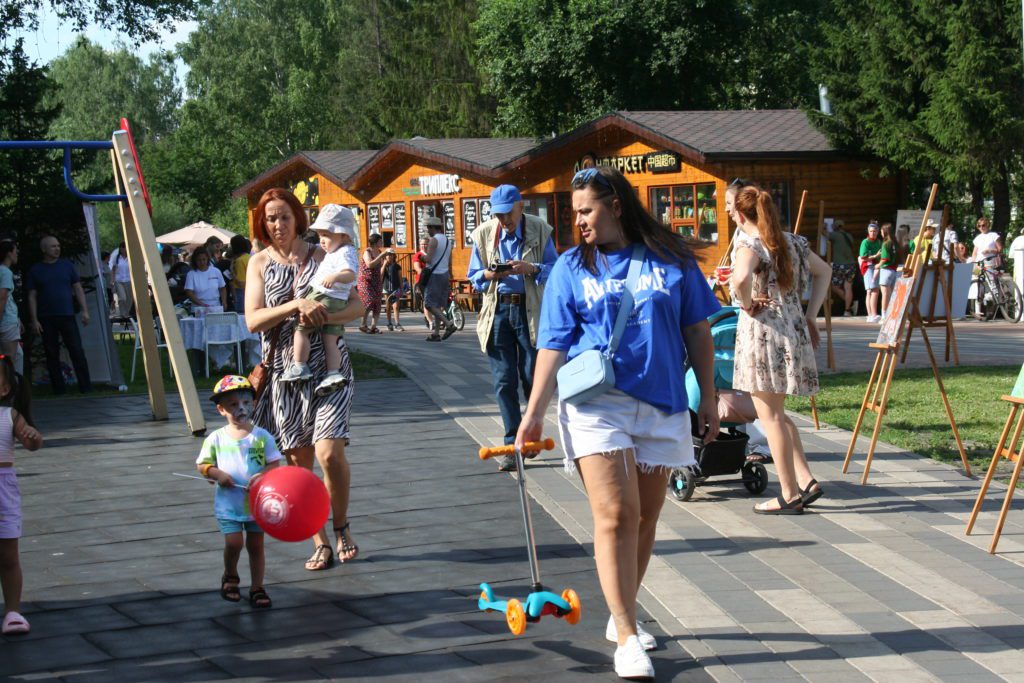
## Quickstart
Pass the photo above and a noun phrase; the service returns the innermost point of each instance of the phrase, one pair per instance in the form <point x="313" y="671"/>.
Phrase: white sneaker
<point x="646" y="639"/>
<point x="296" y="372"/>
<point x="631" y="661"/>
<point x="334" y="381"/>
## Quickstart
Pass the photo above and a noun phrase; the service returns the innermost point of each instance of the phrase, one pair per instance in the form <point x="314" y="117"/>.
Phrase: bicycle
<point x="997" y="292"/>
<point x="453" y="311"/>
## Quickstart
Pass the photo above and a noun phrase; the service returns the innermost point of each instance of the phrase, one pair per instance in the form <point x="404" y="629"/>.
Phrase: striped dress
<point x="289" y="410"/>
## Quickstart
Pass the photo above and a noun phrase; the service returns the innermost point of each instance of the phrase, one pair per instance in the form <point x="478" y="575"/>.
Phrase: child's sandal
<point x="259" y="599"/>
<point x="229" y="588"/>
<point x="346" y="546"/>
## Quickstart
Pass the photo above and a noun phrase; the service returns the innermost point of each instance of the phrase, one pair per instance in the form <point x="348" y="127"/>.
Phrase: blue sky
<point x="53" y="37"/>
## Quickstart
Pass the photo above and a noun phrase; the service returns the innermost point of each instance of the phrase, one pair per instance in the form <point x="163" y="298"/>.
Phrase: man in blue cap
<point x="512" y="256"/>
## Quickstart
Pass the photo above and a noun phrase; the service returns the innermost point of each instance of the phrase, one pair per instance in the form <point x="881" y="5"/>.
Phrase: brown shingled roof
<point x="734" y="133"/>
<point x="337" y="165"/>
<point x="486" y="152"/>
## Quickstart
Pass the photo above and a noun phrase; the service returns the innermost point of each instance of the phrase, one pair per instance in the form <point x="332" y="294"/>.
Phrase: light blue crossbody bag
<point x="591" y="374"/>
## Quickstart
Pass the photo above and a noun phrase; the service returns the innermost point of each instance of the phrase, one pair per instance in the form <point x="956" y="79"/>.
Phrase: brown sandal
<point x="229" y="588"/>
<point x="323" y="555"/>
<point x="258" y="598"/>
<point x="346" y="546"/>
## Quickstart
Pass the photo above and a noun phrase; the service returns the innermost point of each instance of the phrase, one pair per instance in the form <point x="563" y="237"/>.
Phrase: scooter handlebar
<point x="529" y="447"/>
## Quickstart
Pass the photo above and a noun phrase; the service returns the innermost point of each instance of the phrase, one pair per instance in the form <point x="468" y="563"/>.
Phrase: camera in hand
<point x="501" y="267"/>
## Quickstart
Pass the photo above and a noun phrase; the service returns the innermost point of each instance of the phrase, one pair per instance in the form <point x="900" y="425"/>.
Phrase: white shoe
<point x="296" y="372"/>
<point x="631" y="661"/>
<point x="646" y="639"/>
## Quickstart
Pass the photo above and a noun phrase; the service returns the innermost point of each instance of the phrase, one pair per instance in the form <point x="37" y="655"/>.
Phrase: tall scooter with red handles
<point x="539" y="602"/>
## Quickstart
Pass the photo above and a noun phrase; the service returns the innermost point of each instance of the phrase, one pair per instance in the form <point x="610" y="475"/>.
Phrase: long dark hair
<point x="638" y="225"/>
<point x="19" y="393"/>
<point x="758" y="207"/>
<point x="200" y="251"/>
<point x="889" y="240"/>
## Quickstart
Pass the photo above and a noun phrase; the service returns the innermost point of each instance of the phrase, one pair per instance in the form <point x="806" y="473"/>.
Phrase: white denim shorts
<point x="615" y="421"/>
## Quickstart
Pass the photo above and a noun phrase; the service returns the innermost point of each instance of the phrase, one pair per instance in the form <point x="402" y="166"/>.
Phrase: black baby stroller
<point x="727" y="455"/>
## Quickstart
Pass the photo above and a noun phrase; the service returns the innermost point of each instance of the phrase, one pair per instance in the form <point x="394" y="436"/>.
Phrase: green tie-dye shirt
<point x="242" y="460"/>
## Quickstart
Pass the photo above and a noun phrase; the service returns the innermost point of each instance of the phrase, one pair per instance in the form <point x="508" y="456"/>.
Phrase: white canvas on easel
<point x="958" y="296"/>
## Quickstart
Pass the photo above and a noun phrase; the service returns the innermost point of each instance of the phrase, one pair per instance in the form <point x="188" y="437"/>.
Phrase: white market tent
<point x="197" y="233"/>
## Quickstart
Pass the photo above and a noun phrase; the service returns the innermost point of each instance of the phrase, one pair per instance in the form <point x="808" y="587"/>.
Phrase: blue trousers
<point x="512" y="358"/>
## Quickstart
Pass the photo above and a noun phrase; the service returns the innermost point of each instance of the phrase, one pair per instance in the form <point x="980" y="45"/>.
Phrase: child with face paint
<point x="233" y="456"/>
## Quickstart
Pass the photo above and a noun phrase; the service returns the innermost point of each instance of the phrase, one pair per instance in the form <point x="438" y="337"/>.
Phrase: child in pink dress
<point x="15" y="423"/>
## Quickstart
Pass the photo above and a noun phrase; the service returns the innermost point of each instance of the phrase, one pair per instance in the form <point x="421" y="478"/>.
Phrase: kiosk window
<point x="690" y="210"/>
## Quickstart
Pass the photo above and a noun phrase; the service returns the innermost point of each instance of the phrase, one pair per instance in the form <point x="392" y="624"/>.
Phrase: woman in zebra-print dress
<point x="305" y="426"/>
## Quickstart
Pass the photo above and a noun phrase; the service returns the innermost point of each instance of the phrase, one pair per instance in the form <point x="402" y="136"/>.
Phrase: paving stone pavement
<point x="878" y="583"/>
<point x="122" y="562"/>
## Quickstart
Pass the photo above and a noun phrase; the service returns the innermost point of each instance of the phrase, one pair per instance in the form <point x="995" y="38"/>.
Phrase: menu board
<point x="400" y="226"/>
<point x="387" y="219"/>
<point x="373" y="212"/>
<point x="448" y="207"/>
<point x="485" y="210"/>
<point x="469" y="224"/>
<point x="423" y="211"/>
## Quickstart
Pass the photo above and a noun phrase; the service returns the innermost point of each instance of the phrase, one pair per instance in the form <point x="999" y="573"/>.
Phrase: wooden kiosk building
<point x="680" y="163"/>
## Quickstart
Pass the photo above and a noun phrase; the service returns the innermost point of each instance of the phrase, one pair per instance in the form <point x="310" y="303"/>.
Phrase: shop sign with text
<point x="653" y="162"/>
<point x="445" y="183"/>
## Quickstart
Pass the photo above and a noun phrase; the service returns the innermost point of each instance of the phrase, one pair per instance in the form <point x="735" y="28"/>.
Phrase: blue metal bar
<point x="67" y="146"/>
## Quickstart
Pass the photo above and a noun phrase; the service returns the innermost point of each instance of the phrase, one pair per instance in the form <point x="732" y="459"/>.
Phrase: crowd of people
<point x="631" y="291"/>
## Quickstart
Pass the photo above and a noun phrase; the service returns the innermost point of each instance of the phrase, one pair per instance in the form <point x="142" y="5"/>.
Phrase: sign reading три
<point x="445" y="183"/>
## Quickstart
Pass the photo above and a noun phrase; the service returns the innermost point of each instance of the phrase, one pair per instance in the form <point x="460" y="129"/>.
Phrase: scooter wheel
<point x="515" y="617"/>
<point x="575" y="610"/>
<point x="483" y="596"/>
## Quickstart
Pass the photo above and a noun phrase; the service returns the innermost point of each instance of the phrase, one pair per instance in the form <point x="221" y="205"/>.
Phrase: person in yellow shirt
<point x="240" y="248"/>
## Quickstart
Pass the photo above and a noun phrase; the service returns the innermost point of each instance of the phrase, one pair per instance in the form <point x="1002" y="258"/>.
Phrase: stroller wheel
<point x="682" y="483"/>
<point x="755" y="477"/>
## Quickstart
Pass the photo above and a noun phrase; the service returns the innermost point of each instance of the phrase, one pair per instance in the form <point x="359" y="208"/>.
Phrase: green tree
<point x="553" y="65"/>
<point x="261" y="83"/>
<point x="932" y="87"/>
<point x="410" y="69"/>
<point x="33" y="198"/>
<point x="140" y="19"/>
<point x="96" y="87"/>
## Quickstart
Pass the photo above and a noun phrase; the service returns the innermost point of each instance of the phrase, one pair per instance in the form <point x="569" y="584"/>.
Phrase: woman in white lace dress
<point x="775" y="340"/>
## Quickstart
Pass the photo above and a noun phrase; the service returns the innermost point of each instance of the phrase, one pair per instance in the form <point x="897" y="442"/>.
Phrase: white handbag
<point x="591" y="374"/>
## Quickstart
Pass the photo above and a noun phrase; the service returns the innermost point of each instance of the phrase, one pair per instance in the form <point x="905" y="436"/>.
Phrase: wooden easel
<point x="830" y="356"/>
<point x="876" y="397"/>
<point x="828" y="319"/>
<point x="921" y="263"/>
<point x="1004" y="449"/>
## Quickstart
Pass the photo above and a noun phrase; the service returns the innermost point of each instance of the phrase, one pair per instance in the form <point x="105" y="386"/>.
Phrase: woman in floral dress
<point x="775" y="340"/>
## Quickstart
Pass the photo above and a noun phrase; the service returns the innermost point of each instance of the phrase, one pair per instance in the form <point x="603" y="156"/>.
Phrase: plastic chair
<point x="222" y="329"/>
<point x="133" y="325"/>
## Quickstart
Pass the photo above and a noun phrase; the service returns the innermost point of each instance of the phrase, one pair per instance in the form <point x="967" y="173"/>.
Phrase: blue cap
<point x="504" y="197"/>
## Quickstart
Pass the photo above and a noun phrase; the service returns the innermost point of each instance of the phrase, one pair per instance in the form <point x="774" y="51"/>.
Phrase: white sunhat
<point x="336" y="219"/>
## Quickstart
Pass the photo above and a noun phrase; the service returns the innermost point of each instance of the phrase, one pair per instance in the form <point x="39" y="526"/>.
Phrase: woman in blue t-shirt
<point x="625" y="441"/>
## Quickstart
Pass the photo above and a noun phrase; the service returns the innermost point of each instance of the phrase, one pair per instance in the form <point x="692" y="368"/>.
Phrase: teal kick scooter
<point x="539" y="602"/>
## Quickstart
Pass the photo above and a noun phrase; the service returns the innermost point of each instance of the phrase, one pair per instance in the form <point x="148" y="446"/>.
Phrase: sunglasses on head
<point x="588" y="176"/>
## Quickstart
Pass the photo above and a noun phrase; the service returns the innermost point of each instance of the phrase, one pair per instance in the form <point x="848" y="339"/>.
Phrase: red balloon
<point x="289" y="503"/>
